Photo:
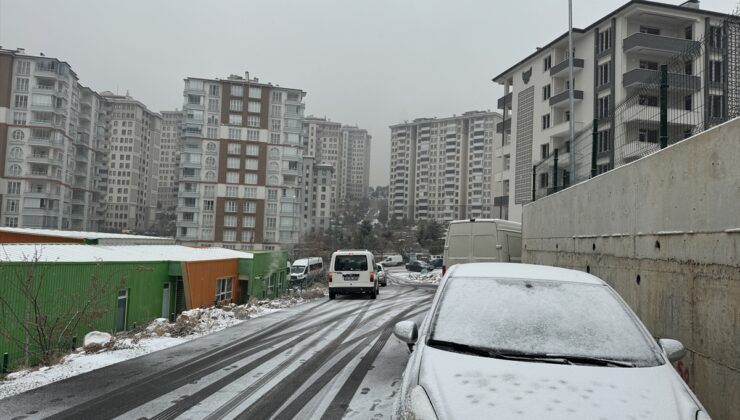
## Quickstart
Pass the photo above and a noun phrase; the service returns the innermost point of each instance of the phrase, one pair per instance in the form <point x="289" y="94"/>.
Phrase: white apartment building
<point x="169" y="156"/>
<point x="52" y="145"/>
<point x="444" y="168"/>
<point x="615" y="58"/>
<point x="355" y="180"/>
<point x="239" y="181"/>
<point x="133" y="165"/>
<point x="320" y="198"/>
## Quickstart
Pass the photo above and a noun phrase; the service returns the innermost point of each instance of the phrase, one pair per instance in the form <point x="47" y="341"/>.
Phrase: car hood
<point x="464" y="386"/>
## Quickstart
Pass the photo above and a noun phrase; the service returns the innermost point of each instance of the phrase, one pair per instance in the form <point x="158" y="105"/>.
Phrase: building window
<point x="214" y="90"/>
<point x="546" y="121"/>
<point x="271" y="223"/>
<point x="547" y="63"/>
<point x="605" y="40"/>
<point x="604" y="73"/>
<point x="649" y="30"/>
<point x="14" y="188"/>
<point x="544" y="151"/>
<point x="211" y="147"/>
<point x="235" y="105"/>
<point x="207" y="205"/>
<point x="232" y="177"/>
<point x="254" y="106"/>
<point x="14" y="170"/>
<point x="647" y="135"/>
<point x="688" y="67"/>
<point x="255" y="92"/>
<point x="715" y="106"/>
<point x="237" y="90"/>
<point x="232" y="191"/>
<point x="253" y="150"/>
<point x="11" y="206"/>
<point x="24" y="67"/>
<point x="253" y="135"/>
<point x="18" y="135"/>
<point x="600" y="169"/>
<point x="250" y="207"/>
<point x="688" y="103"/>
<point x="211" y="132"/>
<point x="507" y="162"/>
<point x="223" y="286"/>
<point x="232" y="163"/>
<point x="272" y="194"/>
<point x="604" y="141"/>
<point x="546" y="92"/>
<point x="603" y="106"/>
<point x="21" y="84"/>
<point x="648" y="65"/>
<point x="253" y="121"/>
<point x="235" y="133"/>
<point x="688" y="32"/>
<point x="716" y="37"/>
<point x="276" y="125"/>
<point x="250" y="179"/>
<point x="277" y="96"/>
<point x="715" y="71"/>
<point x="648" y="100"/>
<point x="19" y="118"/>
<point x="21" y="101"/>
<point x="234" y="148"/>
<point x="230" y="206"/>
<point x="195" y="99"/>
<point x="229" y="221"/>
<point x="251" y="164"/>
<point x="235" y="119"/>
<point x="544" y="180"/>
<point x="249" y="222"/>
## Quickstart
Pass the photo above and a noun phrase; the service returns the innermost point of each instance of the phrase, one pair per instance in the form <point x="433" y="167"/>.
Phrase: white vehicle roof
<point x="352" y="252"/>
<point x="500" y="222"/>
<point x="522" y="271"/>
<point x="306" y="261"/>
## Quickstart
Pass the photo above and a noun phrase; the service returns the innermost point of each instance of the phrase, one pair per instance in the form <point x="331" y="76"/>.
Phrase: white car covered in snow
<point x="506" y="341"/>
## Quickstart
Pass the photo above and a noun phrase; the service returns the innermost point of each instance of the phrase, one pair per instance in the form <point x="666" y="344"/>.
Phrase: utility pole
<point x="571" y="86"/>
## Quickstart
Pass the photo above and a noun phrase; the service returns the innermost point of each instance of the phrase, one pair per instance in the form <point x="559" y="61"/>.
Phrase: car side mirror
<point x="406" y="331"/>
<point x="673" y="349"/>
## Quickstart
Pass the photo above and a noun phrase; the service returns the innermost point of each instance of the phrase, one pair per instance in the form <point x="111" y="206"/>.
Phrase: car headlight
<point x="420" y="408"/>
<point x="700" y="415"/>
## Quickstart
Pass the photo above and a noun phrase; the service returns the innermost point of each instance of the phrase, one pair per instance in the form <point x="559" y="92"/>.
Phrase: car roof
<point x="306" y="261"/>
<point x="352" y="252"/>
<point x="523" y="271"/>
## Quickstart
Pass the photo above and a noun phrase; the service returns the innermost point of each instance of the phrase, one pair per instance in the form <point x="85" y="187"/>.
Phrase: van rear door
<point x="352" y="269"/>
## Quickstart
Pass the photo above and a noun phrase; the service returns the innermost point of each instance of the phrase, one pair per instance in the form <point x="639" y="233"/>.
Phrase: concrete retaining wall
<point x="664" y="231"/>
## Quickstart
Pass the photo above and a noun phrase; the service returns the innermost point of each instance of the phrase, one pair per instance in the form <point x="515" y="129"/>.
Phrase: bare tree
<point x="40" y="317"/>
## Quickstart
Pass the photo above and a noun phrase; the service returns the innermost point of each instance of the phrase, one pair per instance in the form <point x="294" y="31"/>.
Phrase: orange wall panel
<point x="200" y="280"/>
<point x="22" y="238"/>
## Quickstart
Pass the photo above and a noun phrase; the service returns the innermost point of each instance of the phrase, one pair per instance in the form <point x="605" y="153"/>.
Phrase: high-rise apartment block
<point x="168" y="162"/>
<point x="344" y="149"/>
<point x="445" y="168"/>
<point x="133" y="165"/>
<point x="615" y="58"/>
<point x="52" y="145"/>
<point x="239" y="180"/>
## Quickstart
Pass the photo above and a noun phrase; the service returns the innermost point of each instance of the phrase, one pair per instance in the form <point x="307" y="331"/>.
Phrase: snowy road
<point x="323" y="360"/>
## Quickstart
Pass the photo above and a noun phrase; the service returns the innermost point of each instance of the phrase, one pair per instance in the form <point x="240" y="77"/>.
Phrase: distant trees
<point x="429" y="236"/>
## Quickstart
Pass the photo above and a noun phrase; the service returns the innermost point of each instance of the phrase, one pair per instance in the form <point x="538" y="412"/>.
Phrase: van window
<point x="350" y="263"/>
<point x="297" y="269"/>
<point x="459" y="246"/>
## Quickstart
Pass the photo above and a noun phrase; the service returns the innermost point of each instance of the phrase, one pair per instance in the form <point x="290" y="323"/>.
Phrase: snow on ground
<point x="433" y="277"/>
<point x="158" y="335"/>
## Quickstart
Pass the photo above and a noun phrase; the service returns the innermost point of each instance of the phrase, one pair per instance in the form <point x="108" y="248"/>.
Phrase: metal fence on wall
<point x="695" y="90"/>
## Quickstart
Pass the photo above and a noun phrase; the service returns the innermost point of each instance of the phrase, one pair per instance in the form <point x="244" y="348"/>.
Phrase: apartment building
<point x="320" y="197"/>
<point x="135" y="134"/>
<point x="239" y="178"/>
<point x="344" y="148"/>
<point x="169" y="156"/>
<point x="444" y="168"/>
<point x="52" y="145"/>
<point x="615" y="58"/>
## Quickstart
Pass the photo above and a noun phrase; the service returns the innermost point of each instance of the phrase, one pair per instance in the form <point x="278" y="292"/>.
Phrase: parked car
<point x="306" y="271"/>
<point x="508" y="340"/>
<point x="380" y="270"/>
<point x="482" y="240"/>
<point x="417" y="265"/>
<point x="352" y="272"/>
<point x="393" y="260"/>
<point x="436" y="263"/>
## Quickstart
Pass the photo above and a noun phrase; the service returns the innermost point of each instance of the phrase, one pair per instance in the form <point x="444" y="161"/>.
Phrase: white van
<point x="352" y="272"/>
<point x="393" y="260"/>
<point x="482" y="240"/>
<point x="306" y="271"/>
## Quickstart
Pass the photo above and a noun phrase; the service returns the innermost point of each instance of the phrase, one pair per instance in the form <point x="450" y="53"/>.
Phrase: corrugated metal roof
<point x="80" y="235"/>
<point x="113" y="253"/>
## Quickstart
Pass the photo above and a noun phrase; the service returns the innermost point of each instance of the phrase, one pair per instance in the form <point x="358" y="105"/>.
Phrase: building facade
<point x="53" y="146"/>
<point x="355" y="180"/>
<point x="616" y="58"/>
<point x="320" y="197"/>
<point x="169" y="157"/>
<point x="444" y="168"/>
<point x="239" y="177"/>
<point x="133" y="164"/>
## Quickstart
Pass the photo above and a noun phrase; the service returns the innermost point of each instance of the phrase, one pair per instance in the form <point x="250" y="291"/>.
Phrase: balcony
<point x="561" y="69"/>
<point x="561" y="99"/>
<point x="645" y="77"/>
<point x="651" y="114"/>
<point x="657" y="44"/>
<point x="563" y="129"/>
<point x="505" y="101"/>
<point x="503" y="125"/>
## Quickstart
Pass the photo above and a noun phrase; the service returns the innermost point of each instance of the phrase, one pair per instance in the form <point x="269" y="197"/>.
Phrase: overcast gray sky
<point x="368" y="62"/>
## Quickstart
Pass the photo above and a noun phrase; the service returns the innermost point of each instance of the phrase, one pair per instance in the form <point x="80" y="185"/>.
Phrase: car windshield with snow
<point x="509" y="341"/>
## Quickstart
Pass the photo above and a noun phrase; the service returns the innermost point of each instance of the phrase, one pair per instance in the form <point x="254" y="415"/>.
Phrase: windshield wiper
<point x="588" y="360"/>
<point x="495" y="354"/>
<point x="459" y="347"/>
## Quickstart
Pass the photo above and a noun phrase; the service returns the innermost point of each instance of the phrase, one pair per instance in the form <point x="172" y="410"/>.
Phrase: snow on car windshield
<point x="540" y="317"/>
<point x="350" y="263"/>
